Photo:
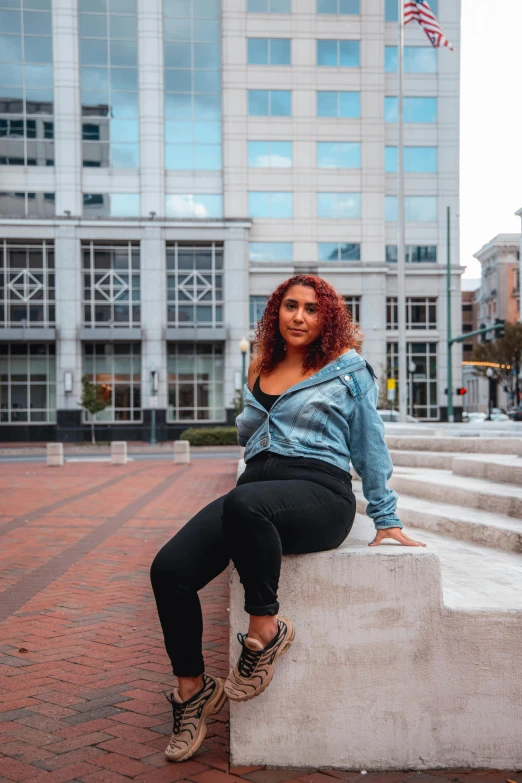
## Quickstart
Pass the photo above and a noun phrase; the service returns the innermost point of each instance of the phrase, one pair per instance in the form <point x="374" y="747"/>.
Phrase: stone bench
<point x="382" y="675"/>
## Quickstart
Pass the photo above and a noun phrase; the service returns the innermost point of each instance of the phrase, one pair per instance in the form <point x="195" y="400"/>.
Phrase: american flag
<point x="420" y="11"/>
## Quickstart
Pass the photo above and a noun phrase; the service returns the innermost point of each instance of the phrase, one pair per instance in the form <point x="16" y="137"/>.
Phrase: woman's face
<point x="299" y="321"/>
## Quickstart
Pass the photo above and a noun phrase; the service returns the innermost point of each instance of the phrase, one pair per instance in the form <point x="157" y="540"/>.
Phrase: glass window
<point x="339" y="155"/>
<point x="333" y="53"/>
<point x="195" y="382"/>
<point x="269" y="6"/>
<point x="353" y="305"/>
<point x="111" y="205"/>
<point x="421" y="312"/>
<point x="269" y="103"/>
<point x="337" y="251"/>
<point x="194" y="206"/>
<point x="40" y="205"/>
<point x="270" y="154"/>
<point x="257" y="308"/>
<point x="270" y="251"/>
<point x="269" y="204"/>
<point x="117" y="368"/>
<point x="27" y="383"/>
<point x="195" y="285"/>
<point x="391" y="10"/>
<point x="349" y="7"/>
<point x="417" y="160"/>
<point x="338" y="104"/>
<point x="417" y="59"/>
<point x="415" y="109"/>
<point x="417" y="209"/>
<point x="422" y="382"/>
<point x="268" y="51"/>
<point x="111" y="284"/>
<point x="339" y="205"/>
<point x="27" y="289"/>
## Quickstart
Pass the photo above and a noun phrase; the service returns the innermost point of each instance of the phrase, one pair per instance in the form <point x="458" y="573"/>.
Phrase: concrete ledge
<point x="467" y="445"/>
<point x="381" y="675"/>
<point x="505" y="469"/>
<point x="422" y="459"/>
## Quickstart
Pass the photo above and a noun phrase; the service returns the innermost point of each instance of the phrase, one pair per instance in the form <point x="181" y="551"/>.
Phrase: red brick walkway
<point x="82" y="663"/>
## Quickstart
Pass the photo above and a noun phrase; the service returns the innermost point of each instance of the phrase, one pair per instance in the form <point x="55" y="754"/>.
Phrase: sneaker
<point x="255" y="668"/>
<point x="190" y="727"/>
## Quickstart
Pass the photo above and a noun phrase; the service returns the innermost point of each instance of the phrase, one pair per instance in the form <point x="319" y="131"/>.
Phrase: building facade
<point x="166" y="163"/>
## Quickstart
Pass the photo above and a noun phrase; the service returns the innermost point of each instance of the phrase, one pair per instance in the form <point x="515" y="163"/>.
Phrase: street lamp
<point x="411" y="369"/>
<point x="244" y="347"/>
<point x="490" y="374"/>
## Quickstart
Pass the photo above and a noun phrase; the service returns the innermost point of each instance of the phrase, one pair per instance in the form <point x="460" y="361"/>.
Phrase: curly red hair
<point x="339" y="331"/>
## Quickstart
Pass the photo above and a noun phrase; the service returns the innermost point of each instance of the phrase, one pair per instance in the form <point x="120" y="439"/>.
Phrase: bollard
<point x="181" y="452"/>
<point x="119" y="452"/>
<point x="54" y="455"/>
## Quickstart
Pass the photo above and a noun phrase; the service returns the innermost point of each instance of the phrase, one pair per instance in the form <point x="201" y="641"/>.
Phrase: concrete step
<point x="465" y="524"/>
<point x="443" y="443"/>
<point x="473" y="576"/>
<point x="443" y="485"/>
<point x="422" y="459"/>
<point x="504" y="468"/>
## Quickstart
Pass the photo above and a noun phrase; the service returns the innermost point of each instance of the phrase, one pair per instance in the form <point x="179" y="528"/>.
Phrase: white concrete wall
<point x="381" y="674"/>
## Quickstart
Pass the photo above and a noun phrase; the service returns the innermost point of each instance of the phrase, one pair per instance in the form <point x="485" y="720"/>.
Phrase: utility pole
<point x="402" y="358"/>
<point x="448" y="315"/>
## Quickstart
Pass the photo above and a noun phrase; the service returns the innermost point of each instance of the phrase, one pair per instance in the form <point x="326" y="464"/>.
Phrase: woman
<point x="310" y="409"/>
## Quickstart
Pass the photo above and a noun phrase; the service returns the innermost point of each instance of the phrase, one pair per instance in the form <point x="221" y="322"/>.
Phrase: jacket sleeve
<point x="371" y="459"/>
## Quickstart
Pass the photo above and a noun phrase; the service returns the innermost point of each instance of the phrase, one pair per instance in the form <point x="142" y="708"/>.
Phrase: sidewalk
<point x="82" y="663"/>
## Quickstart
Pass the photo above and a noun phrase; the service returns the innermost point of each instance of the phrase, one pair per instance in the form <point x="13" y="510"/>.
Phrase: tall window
<point x="26" y="83"/>
<point x="111" y="274"/>
<point x="257" y="308"/>
<point x="344" y="54"/>
<point x="353" y="305"/>
<point x="117" y="368"/>
<point x="269" y="6"/>
<point x="422" y="382"/>
<point x="195" y="285"/>
<point x="27" y="292"/>
<point x="192" y="56"/>
<point x="195" y="379"/>
<point x="27" y="383"/>
<point x="421" y="312"/>
<point x="349" y="7"/>
<point x="19" y="205"/>
<point x="109" y="83"/>
<point x="269" y="51"/>
<point x="346" y="105"/>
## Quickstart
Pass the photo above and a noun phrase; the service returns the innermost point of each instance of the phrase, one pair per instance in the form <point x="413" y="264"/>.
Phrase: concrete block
<point x="421" y="459"/>
<point x="448" y="444"/>
<point x="119" y="452"/>
<point x="181" y="452"/>
<point x="382" y="675"/>
<point x="503" y="469"/>
<point x="54" y="455"/>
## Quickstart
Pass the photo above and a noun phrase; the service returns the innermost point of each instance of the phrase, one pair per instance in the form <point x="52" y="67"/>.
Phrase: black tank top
<point x="266" y="400"/>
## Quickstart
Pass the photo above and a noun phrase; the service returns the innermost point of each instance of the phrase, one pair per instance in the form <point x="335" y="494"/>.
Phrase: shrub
<point x="210" y="436"/>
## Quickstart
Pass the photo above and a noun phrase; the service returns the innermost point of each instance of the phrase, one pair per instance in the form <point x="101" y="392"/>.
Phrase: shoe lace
<point x="178" y="711"/>
<point x="248" y="659"/>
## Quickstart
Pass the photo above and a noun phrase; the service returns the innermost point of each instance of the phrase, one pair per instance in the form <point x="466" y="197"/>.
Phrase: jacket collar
<point x="350" y="360"/>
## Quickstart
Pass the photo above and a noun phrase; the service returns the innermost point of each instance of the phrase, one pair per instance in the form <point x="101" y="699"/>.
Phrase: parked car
<point x="515" y="414"/>
<point x="473" y="416"/>
<point x="388" y="416"/>
<point x="498" y="415"/>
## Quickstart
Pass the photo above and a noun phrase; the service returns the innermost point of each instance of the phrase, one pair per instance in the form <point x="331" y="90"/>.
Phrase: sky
<point x="491" y="124"/>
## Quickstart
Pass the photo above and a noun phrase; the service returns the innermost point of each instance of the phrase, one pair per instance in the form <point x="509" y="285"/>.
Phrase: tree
<point x="506" y="355"/>
<point x="93" y="401"/>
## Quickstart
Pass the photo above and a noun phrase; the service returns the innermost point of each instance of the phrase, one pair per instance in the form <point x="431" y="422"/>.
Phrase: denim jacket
<point x="331" y="416"/>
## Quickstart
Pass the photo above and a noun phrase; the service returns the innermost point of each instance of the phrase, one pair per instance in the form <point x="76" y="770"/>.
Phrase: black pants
<point x="281" y="505"/>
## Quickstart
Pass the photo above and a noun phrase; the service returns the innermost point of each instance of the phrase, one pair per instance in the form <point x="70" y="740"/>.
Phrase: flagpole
<point x="401" y="298"/>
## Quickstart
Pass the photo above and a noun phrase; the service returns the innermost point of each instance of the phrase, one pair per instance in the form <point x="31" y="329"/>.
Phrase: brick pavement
<point x="82" y="663"/>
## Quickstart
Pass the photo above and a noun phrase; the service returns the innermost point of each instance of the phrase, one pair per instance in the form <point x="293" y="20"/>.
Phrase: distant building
<point x="469" y="290"/>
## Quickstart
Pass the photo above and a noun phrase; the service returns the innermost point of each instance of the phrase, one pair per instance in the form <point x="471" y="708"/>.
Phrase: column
<point x="152" y="146"/>
<point x="236" y="291"/>
<point x="373" y="323"/>
<point x="153" y="319"/>
<point x="67" y="108"/>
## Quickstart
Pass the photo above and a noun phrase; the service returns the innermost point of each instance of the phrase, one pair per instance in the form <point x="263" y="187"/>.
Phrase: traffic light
<point x="500" y="333"/>
<point x="484" y="335"/>
<point x="462" y="391"/>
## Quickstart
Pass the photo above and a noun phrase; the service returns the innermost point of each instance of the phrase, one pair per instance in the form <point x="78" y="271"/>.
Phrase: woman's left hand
<point x="398" y="534"/>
